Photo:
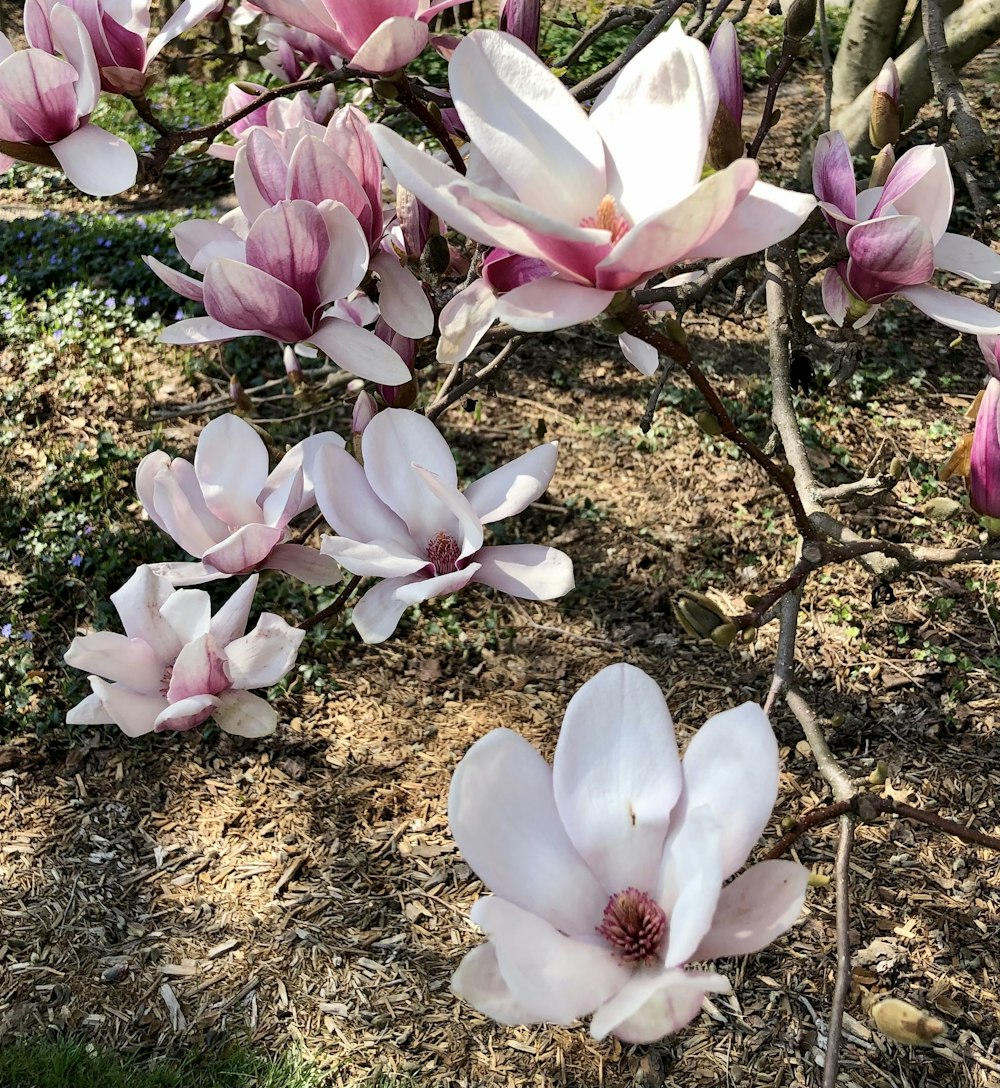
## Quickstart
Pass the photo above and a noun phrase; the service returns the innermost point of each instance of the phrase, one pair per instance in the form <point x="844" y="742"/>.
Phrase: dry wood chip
<point x="221" y="949"/>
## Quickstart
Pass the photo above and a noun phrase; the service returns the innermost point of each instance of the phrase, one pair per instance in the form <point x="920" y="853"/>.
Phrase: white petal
<point x="189" y="613"/>
<point x="691" y="881"/>
<point x="359" y="352"/>
<point x="464" y="321"/>
<point x="133" y="712"/>
<point x="262" y="657"/>
<point x="401" y="298"/>
<point x="654" y="1004"/>
<point x="307" y="564"/>
<point x="550" y="303"/>
<point x="230" y="621"/>
<point x="115" y="657"/>
<point x="509" y="489"/>
<point x="96" y="162"/>
<point x="953" y="311"/>
<point x="967" y="257"/>
<point x="231" y="465"/>
<point x="644" y="357"/>
<point x="138" y="603"/>
<point x="245" y="715"/>
<point x="479" y="982"/>
<point x="532" y="572"/>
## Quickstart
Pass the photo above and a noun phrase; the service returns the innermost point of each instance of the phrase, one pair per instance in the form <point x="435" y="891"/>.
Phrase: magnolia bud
<point x="386" y="89"/>
<point x="905" y="1023"/>
<point x="437" y="254"/>
<point x="798" y="23"/>
<point x="293" y="368"/>
<point x="699" y="615"/>
<point x="414" y="222"/>
<point x="984" y="455"/>
<point x="749" y="636"/>
<point x="237" y="394"/>
<point x="960" y="461"/>
<point x="724" y="635"/>
<point x="941" y="509"/>
<point x="708" y="423"/>
<point x="885" y="160"/>
<point x="884" y="119"/>
<point x="365" y="410"/>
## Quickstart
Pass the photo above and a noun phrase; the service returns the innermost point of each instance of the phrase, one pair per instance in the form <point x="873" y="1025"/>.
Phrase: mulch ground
<point x="199" y="889"/>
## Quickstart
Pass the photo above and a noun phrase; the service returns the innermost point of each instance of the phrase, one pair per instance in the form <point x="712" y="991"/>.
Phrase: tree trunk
<point x="971" y="29"/>
<point x="869" y="37"/>
<point x="915" y="30"/>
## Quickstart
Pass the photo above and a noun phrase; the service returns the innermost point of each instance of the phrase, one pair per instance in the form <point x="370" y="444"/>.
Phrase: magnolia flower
<point x="401" y="518"/>
<point x="227" y="510"/>
<point x="118" y="30"/>
<point x="341" y="163"/>
<point x="46" y="102"/>
<point x="984" y="459"/>
<point x="280" y="282"/>
<point x="605" y="200"/>
<point x="379" y="36"/>
<point x="178" y="665"/>
<point x="608" y="869"/>
<point x="276" y="117"/>
<point x="896" y="239"/>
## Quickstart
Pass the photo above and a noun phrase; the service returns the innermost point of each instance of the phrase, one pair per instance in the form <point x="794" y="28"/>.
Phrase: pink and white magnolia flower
<point x="606" y="199"/>
<point x="378" y="36"/>
<point x="276" y="117"/>
<point x="118" y="30"/>
<point x="402" y="518"/>
<point x="281" y="281"/>
<point x="984" y="458"/>
<point x="229" y="511"/>
<point x="178" y="665"/>
<point x="46" y="101"/>
<point x="896" y="236"/>
<point x="608" y="870"/>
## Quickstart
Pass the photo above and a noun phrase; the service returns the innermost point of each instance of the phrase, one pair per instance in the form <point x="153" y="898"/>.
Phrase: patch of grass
<point x="74" y="1064"/>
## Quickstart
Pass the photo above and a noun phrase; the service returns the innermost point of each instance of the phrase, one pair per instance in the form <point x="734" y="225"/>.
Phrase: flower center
<point x="635" y="926"/>
<point x="168" y="672"/>
<point x="443" y="551"/>
<point x="608" y="218"/>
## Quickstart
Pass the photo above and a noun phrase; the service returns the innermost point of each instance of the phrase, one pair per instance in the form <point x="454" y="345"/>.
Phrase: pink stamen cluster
<point x="635" y="926"/>
<point x="443" y="551"/>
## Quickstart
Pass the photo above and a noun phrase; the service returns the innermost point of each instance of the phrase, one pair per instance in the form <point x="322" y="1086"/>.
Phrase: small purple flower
<point x="7" y="630"/>
<point x="28" y="636"/>
<point x="75" y="559"/>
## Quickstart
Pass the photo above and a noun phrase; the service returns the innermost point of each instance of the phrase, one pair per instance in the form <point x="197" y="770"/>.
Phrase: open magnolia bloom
<point x="401" y="518"/>
<point x="896" y="237"/>
<point x="118" y="30"/>
<point x="46" y="101"/>
<point x="227" y="510"/>
<point x="177" y="665"/>
<point x="296" y="261"/>
<point x="379" y="36"/>
<point x="608" y="870"/>
<point x="605" y="200"/>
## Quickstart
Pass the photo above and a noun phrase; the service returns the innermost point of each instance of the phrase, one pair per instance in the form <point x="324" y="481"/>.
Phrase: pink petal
<point x="953" y="311"/>
<point x="478" y="982"/>
<point x="510" y="488"/>
<point x="754" y="909"/>
<point x="984" y="462"/>
<point x="887" y="254"/>
<point x="262" y="657"/>
<point x="187" y="574"/>
<point x="290" y="242"/>
<point x="833" y="178"/>
<point x="299" y="461"/>
<point x="401" y="298"/>
<point x="40" y="89"/>
<point x="186" y="16"/>
<point x="96" y="162"/>
<point x="317" y="173"/>
<point x="836" y="296"/>
<point x="502" y="813"/>
<point x="766" y="215"/>
<point x="260" y="174"/>
<point x="379" y="611"/>
<point x="89" y="711"/>
<point x="617" y="776"/>
<point x="116" y="657"/>
<point x="724" y="55"/>
<point x="464" y="321"/>
<point x="384" y="559"/>
<point x="244" y="550"/>
<point x="532" y="572"/>
<point x="198" y="670"/>
<point x="359" y="352"/>
<point x="133" y="712"/>
<point x="348" y="133"/>
<point x="393" y="45"/>
<point x="307" y="564"/>
<point x="528" y="125"/>
<point x="186" y="713"/>
<point x="551" y="303"/>
<point x="203" y="330"/>
<point x="920" y="184"/>
<point x="248" y="298"/>
<point x="231" y="464"/>
<point x="667" y="89"/>
<point x="187" y="286"/>
<point x="73" y="39"/>
<point x="173" y="498"/>
<point x="655" y="1004"/>
<point x="245" y="715"/>
<point x="557" y="978"/>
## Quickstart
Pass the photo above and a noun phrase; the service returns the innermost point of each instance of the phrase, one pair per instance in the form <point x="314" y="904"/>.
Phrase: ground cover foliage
<point x="303" y="890"/>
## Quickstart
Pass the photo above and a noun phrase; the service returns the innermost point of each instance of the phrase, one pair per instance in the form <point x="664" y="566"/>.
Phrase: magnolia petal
<point x="836" y="296"/>
<point x="551" y="303"/>
<point x="198" y="241"/>
<point x="667" y="88"/>
<point x="503" y="816"/>
<point x="527" y="124"/>
<point x="291" y="243"/>
<point x="889" y="253"/>
<point x="724" y="56"/>
<point x="184" y="714"/>
<point x="617" y="776"/>
<point x="644" y="357"/>
<point x="231" y="464"/>
<point x="97" y="162"/>
<point x="532" y="572"/>
<point x="393" y="44"/>
<point x="479" y="982"/>
<point x="309" y="565"/>
<point x="653" y="1004"/>
<point x="244" y="550"/>
<point x="230" y="621"/>
<point x="359" y="352"/>
<point x="245" y="715"/>
<point x="379" y="611"/>
<point x="198" y="670"/>
<point x="920" y="184"/>
<point x="347" y="260"/>
<point x="833" y="179"/>
<point x="510" y="488"/>
<point x="690" y="881"/>
<point x="379" y="559"/>
<point x="203" y="330"/>
<point x="351" y="507"/>
<point x="757" y="907"/>
<point x="262" y="657"/>
<point x="298" y="464"/>
<point x="186" y="16"/>
<point x="180" y="506"/>
<point x="401" y="298"/>
<point x="953" y="311"/>
<point x="133" y="712"/>
<point x="464" y="321"/>
<point x="138" y="603"/>
<point x="967" y="257"/>
<point x="248" y="298"/>
<point x="768" y="214"/>
<point x="40" y="90"/>
<point x="731" y="767"/>
<point x="118" y="658"/>
<point x="189" y="613"/>
<point x="188" y="574"/>
<point x="89" y="711"/>
<point x="184" y="285"/>
<point x="558" y="978"/>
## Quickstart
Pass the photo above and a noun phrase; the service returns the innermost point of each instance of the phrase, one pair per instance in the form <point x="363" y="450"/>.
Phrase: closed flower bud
<point x="885" y="160"/>
<point x="724" y="635"/>
<point x="522" y="18"/>
<point x="293" y="368"/>
<point x="984" y="458"/>
<point x="698" y="614"/>
<point x="237" y="394"/>
<point x="414" y="222"/>
<point x="884" y="120"/>
<point x="365" y="410"/>
<point x="798" y="22"/>
<point x="905" y="1023"/>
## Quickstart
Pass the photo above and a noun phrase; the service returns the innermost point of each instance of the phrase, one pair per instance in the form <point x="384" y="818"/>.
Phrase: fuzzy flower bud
<point x="884" y="121"/>
<point x="237" y="394"/>
<point x="414" y="222"/>
<point x="885" y="160"/>
<point x="798" y="23"/>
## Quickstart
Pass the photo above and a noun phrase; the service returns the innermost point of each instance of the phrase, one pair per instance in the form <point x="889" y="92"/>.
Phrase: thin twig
<point x="431" y="121"/>
<point x="784" y="658"/>
<point x="842" y="981"/>
<point x="331" y="609"/>
<point x="443" y="403"/>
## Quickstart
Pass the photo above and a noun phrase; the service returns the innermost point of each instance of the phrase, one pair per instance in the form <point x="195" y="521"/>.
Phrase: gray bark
<point x="914" y="29"/>
<point x="869" y="37"/>
<point x="971" y="29"/>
